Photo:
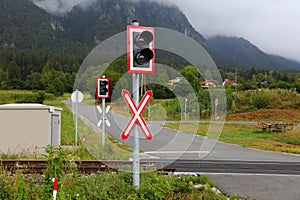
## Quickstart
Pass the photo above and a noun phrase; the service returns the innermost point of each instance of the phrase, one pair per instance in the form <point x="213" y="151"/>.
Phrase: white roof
<point x="27" y="106"/>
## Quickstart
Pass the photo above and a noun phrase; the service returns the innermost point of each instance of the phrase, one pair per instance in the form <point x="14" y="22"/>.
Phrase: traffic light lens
<point x="144" y="39"/>
<point x="103" y="90"/>
<point x="144" y="56"/>
<point x="103" y="83"/>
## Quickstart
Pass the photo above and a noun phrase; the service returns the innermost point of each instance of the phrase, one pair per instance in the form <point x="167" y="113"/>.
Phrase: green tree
<point x="283" y="85"/>
<point x="192" y="76"/>
<point x="33" y="81"/>
<point x="297" y="86"/>
<point x="53" y="81"/>
<point x="14" y="71"/>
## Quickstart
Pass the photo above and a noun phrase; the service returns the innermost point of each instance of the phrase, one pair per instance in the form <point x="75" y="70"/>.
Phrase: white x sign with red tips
<point x="137" y="114"/>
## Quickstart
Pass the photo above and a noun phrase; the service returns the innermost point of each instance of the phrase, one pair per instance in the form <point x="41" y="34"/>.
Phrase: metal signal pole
<point x="136" y="142"/>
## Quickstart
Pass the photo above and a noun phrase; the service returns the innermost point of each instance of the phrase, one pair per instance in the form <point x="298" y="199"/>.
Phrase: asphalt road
<point x="174" y="145"/>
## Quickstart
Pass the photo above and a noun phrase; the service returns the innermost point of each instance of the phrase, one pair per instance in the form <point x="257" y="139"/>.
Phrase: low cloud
<point x="272" y="25"/>
<point x="60" y="7"/>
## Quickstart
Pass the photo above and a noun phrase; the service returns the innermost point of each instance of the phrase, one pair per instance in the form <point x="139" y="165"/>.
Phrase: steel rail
<point x="197" y="166"/>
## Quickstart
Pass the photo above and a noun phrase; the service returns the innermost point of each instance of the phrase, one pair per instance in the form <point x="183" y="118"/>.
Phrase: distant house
<point x="208" y="84"/>
<point x="174" y="81"/>
<point x="227" y="82"/>
<point x="262" y="83"/>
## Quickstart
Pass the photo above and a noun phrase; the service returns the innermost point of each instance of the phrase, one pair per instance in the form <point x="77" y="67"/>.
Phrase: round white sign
<point x="77" y="96"/>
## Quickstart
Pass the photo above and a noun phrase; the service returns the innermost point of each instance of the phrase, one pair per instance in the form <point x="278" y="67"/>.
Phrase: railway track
<point x="83" y="166"/>
<point x="197" y="166"/>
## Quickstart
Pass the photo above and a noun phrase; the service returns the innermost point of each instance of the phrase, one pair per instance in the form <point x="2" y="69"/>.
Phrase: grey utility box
<point x="28" y="126"/>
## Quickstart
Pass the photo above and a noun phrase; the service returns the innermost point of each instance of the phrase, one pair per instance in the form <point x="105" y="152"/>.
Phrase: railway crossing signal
<point x="137" y="114"/>
<point x="140" y="49"/>
<point x="140" y="60"/>
<point x="103" y="92"/>
<point x="103" y="88"/>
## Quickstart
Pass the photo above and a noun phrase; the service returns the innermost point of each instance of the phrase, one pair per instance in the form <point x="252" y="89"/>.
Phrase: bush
<point x="262" y="99"/>
<point x="33" y="98"/>
<point x="16" y="96"/>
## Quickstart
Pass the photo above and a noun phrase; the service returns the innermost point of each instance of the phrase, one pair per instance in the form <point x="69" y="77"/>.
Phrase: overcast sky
<point x="271" y="25"/>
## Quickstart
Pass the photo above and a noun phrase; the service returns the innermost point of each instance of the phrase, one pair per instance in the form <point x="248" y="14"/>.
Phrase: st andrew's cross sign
<point x="137" y="114"/>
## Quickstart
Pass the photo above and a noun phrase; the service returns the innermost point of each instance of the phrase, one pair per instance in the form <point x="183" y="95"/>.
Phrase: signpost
<point x="103" y="92"/>
<point x="185" y="102"/>
<point x="140" y="60"/>
<point x="216" y="102"/>
<point x="76" y="97"/>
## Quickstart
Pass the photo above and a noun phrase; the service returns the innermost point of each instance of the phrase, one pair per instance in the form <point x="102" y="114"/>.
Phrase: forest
<point x="56" y="72"/>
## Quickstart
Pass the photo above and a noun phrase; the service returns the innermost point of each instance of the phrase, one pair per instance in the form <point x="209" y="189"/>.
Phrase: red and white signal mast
<point x="140" y="60"/>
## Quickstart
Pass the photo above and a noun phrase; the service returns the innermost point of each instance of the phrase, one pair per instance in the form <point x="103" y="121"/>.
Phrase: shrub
<point x="33" y="98"/>
<point x="262" y="99"/>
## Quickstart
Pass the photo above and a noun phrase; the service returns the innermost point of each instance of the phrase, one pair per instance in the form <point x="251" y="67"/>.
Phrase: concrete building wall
<point x="26" y="126"/>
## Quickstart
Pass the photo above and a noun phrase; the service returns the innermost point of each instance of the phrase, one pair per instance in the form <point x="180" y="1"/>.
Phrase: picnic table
<point x="275" y="126"/>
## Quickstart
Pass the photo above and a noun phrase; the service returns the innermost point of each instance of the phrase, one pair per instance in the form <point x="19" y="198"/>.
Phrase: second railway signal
<point x="103" y="88"/>
<point x="103" y="92"/>
<point x="140" y="49"/>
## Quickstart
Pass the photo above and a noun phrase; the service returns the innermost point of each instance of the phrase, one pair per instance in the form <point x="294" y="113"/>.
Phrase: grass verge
<point x="250" y="136"/>
<point x="89" y="139"/>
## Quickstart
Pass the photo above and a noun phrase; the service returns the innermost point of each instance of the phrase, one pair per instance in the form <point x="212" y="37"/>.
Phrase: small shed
<point x="26" y="126"/>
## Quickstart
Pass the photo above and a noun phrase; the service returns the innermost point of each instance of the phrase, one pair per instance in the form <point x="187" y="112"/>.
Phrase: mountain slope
<point x="105" y="18"/>
<point x="248" y="55"/>
<point x="25" y="26"/>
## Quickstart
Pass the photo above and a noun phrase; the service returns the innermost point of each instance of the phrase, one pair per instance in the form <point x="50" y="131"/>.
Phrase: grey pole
<point x="136" y="143"/>
<point x="103" y="122"/>
<point x="216" y="108"/>
<point x="149" y="110"/>
<point x="76" y="119"/>
<point x="185" y="109"/>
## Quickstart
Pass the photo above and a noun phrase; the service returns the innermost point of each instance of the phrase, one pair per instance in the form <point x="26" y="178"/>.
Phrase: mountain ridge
<point x="245" y="53"/>
<point x="25" y="26"/>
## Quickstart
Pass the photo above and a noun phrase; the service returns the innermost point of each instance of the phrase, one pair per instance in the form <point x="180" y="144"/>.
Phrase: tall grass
<point x="104" y="185"/>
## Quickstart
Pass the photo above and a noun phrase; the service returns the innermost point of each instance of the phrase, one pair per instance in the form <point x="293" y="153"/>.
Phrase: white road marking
<point x="249" y="174"/>
<point x="175" y="152"/>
